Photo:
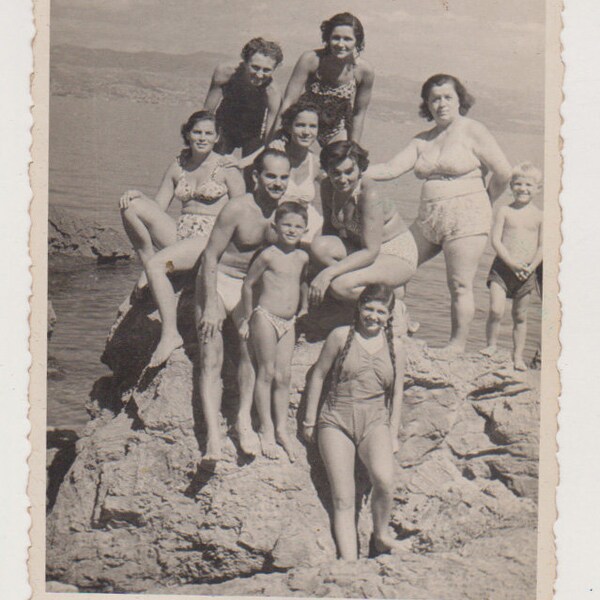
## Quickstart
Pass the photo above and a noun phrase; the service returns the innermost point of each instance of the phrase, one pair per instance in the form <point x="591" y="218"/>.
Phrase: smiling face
<point x="290" y="228"/>
<point x="444" y="103"/>
<point x="342" y="41"/>
<point x="345" y="175"/>
<point x="203" y="136"/>
<point x="272" y="180"/>
<point x="259" y="69"/>
<point x="524" y="189"/>
<point x="305" y="128"/>
<point x="373" y="316"/>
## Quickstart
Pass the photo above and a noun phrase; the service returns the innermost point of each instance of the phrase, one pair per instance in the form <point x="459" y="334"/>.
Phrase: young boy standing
<point x="279" y="273"/>
<point x="517" y="240"/>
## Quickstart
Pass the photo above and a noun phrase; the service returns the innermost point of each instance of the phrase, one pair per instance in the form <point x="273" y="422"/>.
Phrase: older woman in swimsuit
<point x="198" y="179"/>
<point x="364" y="239"/>
<point x="245" y="97"/>
<point x="360" y="415"/>
<point x="453" y="159"/>
<point x="335" y="78"/>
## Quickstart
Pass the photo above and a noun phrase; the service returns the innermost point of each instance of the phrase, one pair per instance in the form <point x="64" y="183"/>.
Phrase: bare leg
<point x="338" y="453"/>
<point x="426" y="249"/>
<point x="264" y="346"/>
<point x="148" y="227"/>
<point x="281" y="392"/>
<point x="462" y="259"/>
<point x="497" y="306"/>
<point x="181" y="256"/>
<point x="376" y="453"/>
<point x="210" y="385"/>
<point x="326" y="250"/>
<point x="519" y="314"/>
<point x="246" y="376"/>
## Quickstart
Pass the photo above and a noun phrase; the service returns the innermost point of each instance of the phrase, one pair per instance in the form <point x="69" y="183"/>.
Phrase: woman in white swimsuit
<point x="364" y="238"/>
<point x="198" y="179"/>
<point x="336" y="79"/>
<point x="453" y="160"/>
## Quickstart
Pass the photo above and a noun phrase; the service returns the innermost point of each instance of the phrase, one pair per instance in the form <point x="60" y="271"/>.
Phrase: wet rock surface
<point x="72" y="235"/>
<point x="139" y="510"/>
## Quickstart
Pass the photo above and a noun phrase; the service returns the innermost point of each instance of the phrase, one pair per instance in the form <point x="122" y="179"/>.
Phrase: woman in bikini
<point x="364" y="238"/>
<point x="198" y="179"/>
<point x="245" y="97"/>
<point x="336" y="79"/>
<point x="360" y="415"/>
<point x="453" y="160"/>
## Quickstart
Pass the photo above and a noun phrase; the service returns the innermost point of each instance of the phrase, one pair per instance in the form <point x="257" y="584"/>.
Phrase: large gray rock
<point x="70" y="234"/>
<point x="139" y="511"/>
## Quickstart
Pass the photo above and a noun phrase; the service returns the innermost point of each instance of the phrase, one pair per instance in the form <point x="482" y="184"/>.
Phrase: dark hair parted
<point x="337" y="152"/>
<point x="288" y="208"/>
<point x="340" y="20"/>
<point x="259" y="162"/>
<point x="262" y="46"/>
<point x="373" y="292"/>
<point x="465" y="99"/>
<point x="200" y="115"/>
<point x="289" y="114"/>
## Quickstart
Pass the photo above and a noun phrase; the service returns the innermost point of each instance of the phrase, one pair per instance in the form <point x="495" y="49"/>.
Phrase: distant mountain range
<point x="161" y="78"/>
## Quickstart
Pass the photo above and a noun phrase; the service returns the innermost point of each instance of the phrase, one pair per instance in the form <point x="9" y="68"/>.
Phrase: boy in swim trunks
<point x="279" y="272"/>
<point x="517" y="239"/>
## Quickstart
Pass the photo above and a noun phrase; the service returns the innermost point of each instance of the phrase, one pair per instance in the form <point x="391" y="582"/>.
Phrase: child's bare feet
<point x="165" y="348"/>
<point x="384" y="544"/>
<point x="247" y="437"/>
<point x="213" y="450"/>
<point x="520" y="364"/>
<point x="268" y="445"/>
<point x="489" y="350"/>
<point x="285" y="441"/>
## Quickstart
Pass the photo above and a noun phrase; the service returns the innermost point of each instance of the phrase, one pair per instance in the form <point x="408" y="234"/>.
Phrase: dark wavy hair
<point x="271" y="49"/>
<point x="290" y="113"/>
<point x="259" y="162"/>
<point x="200" y="115"/>
<point x="340" y="20"/>
<point x="384" y="294"/>
<point x="336" y="152"/>
<point x="464" y="98"/>
<point x="289" y="207"/>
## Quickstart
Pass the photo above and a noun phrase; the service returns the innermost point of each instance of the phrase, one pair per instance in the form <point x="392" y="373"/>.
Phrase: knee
<point x="266" y="373"/>
<point x="460" y="285"/>
<point x="339" y="288"/>
<point x="519" y="316"/>
<point x="210" y="361"/>
<point x="496" y="313"/>
<point x="383" y="482"/>
<point x="283" y="377"/>
<point x="156" y="265"/>
<point x="342" y="502"/>
<point x="133" y="208"/>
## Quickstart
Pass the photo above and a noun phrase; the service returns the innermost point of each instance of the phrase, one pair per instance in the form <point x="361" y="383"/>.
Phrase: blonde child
<point x="517" y="239"/>
<point x="279" y="272"/>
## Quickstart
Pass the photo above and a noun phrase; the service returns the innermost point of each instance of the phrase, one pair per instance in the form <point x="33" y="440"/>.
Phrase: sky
<point x="498" y="42"/>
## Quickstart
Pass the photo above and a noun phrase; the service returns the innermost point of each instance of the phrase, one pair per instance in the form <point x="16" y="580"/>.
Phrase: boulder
<point x="72" y="235"/>
<point x="140" y="511"/>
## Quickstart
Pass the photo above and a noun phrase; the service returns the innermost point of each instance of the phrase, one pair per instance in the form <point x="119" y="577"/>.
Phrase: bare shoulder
<point x="273" y="90"/>
<point x="425" y="136"/>
<point x="476" y="128"/>
<point x="338" y="336"/>
<point x="302" y="256"/>
<point x="309" y="59"/>
<point x="364" y="69"/>
<point x="238" y="206"/>
<point x="223" y="72"/>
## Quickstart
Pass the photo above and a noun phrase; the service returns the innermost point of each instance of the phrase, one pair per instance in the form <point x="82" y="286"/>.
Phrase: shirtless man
<point x="238" y="233"/>
<point x="517" y="239"/>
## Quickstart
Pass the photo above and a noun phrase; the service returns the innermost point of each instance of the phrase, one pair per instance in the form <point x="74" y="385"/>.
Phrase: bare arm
<point x="326" y="194"/>
<point x="398" y="388"/>
<point x="164" y="195"/>
<point x="221" y="76"/>
<point x="402" y="163"/>
<point x="488" y="151"/>
<point x="497" y="231"/>
<point x="539" y="255"/>
<point x="206" y="281"/>
<point x="361" y="102"/>
<point x="306" y="64"/>
<point x="273" y="105"/>
<point x="304" y="289"/>
<point x="319" y="372"/>
<point x="258" y="267"/>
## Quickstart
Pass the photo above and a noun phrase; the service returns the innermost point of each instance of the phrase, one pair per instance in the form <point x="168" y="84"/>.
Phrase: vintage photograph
<point x="297" y="335"/>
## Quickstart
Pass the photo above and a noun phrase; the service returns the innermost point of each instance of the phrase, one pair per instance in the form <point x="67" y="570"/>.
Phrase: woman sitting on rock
<point x="364" y="238"/>
<point x="201" y="182"/>
<point x="360" y="414"/>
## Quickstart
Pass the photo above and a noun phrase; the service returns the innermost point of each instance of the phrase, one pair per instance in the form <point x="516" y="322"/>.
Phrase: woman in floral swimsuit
<point x="198" y="179"/>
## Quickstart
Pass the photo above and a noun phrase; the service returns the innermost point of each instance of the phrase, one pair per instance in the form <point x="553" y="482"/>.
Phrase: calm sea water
<point x="99" y="148"/>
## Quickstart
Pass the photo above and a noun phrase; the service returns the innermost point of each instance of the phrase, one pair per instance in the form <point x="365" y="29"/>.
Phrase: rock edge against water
<point x="138" y="511"/>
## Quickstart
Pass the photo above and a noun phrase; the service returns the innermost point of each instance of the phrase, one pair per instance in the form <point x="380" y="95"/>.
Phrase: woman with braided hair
<point x="360" y="414"/>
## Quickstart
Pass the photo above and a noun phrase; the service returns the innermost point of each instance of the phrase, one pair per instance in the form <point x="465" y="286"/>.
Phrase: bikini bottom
<point x="402" y="246"/>
<point x="190" y="225"/>
<point x="280" y="325"/>
<point x="356" y="418"/>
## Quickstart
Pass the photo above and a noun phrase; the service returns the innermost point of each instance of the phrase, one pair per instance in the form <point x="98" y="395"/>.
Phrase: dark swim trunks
<point x="502" y="274"/>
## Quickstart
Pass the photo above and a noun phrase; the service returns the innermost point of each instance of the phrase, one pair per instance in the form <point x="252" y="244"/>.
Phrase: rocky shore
<point x="135" y="509"/>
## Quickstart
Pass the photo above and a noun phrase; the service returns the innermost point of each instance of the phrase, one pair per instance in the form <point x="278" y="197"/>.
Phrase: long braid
<point x="339" y="362"/>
